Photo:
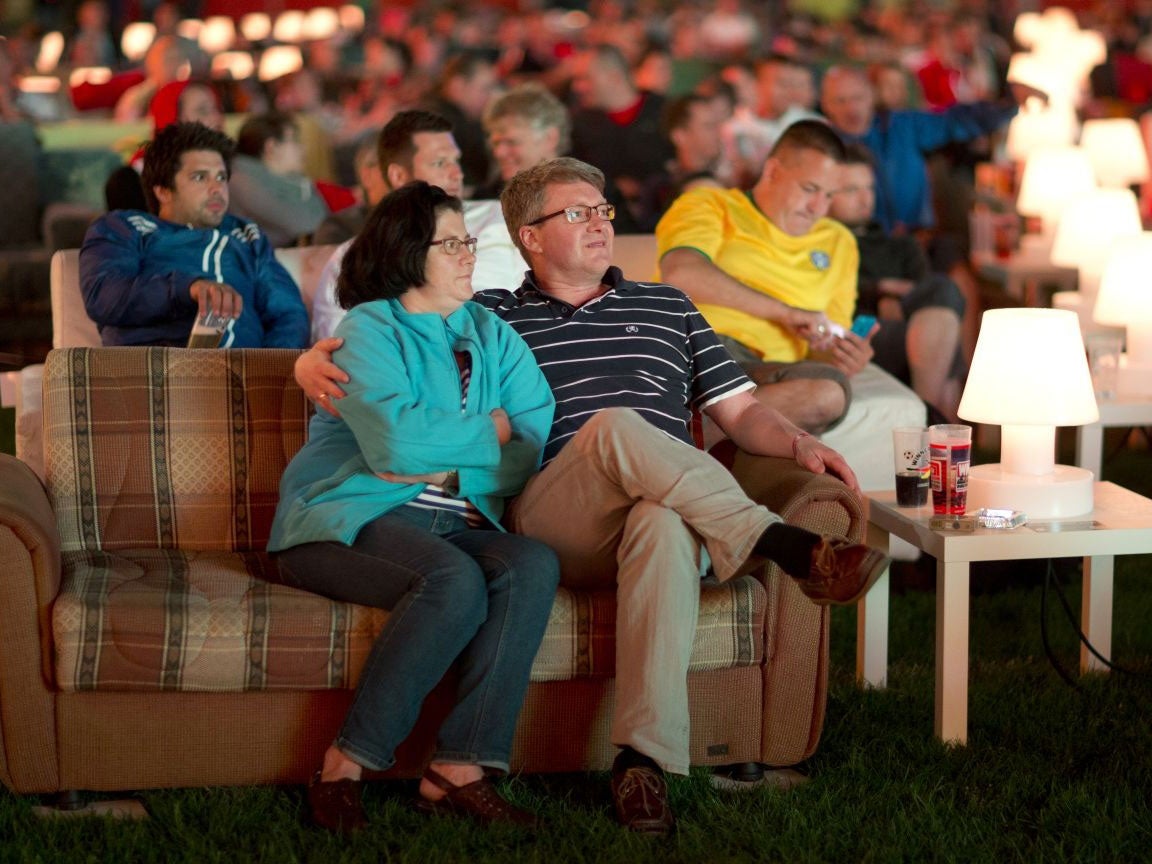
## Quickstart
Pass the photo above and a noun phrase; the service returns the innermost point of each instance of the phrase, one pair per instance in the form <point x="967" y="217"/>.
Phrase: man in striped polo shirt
<point x="625" y="498"/>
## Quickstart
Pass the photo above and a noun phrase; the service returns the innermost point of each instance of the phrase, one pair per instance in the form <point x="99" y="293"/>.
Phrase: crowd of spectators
<point x="451" y="57"/>
<point x="661" y="96"/>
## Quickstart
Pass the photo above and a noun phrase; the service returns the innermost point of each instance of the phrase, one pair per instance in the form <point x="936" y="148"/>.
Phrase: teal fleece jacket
<point x="402" y="414"/>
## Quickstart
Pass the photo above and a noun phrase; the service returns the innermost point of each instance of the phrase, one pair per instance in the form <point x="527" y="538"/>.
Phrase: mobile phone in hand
<point x="862" y="326"/>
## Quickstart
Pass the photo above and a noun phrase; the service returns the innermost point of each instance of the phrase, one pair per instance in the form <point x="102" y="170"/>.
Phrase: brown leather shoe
<point x="479" y="801"/>
<point x="335" y="806"/>
<point x="640" y="794"/>
<point x="842" y="572"/>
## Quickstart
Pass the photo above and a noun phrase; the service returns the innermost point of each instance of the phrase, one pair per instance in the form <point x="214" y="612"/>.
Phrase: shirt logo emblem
<point x="820" y="260"/>
<point x="631" y="328"/>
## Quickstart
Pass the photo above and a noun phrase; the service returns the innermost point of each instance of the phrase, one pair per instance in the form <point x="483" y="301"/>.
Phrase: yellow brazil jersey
<point x="815" y="271"/>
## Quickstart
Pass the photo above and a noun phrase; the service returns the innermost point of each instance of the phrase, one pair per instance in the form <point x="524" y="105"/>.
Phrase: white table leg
<point x="952" y="652"/>
<point x="1096" y="611"/>
<point x="872" y="625"/>
<point x="1090" y="447"/>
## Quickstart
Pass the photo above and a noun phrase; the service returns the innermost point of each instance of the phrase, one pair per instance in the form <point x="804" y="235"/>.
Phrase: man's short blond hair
<point x="522" y="200"/>
<point x="537" y="107"/>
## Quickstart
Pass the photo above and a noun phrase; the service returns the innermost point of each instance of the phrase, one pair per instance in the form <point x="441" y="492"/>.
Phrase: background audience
<point x="268" y="181"/>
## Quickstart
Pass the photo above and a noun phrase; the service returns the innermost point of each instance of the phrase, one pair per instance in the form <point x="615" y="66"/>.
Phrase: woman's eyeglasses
<point x="578" y="213"/>
<point x="453" y="245"/>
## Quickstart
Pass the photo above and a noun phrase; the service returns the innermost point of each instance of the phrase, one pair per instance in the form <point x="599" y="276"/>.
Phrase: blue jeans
<point x="479" y="597"/>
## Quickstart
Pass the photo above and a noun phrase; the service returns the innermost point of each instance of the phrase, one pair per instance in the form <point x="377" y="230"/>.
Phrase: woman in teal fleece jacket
<point x="396" y="504"/>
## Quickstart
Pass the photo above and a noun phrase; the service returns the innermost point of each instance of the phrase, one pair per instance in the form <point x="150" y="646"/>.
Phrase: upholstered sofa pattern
<point x="148" y="643"/>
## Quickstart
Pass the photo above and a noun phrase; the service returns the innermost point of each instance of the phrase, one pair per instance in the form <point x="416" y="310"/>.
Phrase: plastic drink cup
<point x="913" y="467"/>
<point x="950" y="449"/>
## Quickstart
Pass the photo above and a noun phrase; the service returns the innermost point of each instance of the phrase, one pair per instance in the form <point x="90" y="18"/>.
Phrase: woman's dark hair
<point x="387" y="257"/>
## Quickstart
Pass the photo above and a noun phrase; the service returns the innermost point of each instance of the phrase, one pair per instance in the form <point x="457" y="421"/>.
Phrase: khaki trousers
<point x="623" y="504"/>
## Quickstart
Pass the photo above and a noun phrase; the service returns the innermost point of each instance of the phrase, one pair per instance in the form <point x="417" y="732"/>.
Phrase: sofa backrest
<point x="72" y="328"/>
<point x="169" y="448"/>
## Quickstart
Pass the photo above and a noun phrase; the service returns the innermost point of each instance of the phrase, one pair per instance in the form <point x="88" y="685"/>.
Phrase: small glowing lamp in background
<point x="1125" y="300"/>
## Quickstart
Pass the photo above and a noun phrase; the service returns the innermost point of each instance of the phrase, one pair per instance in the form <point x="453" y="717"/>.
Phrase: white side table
<point x="1120" y="524"/>
<point x="1123" y="411"/>
<point x="1022" y="274"/>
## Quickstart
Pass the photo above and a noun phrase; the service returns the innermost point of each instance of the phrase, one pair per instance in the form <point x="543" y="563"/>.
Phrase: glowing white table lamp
<point x="279" y="60"/>
<point x="1029" y="375"/>
<point x="136" y="39"/>
<point x="1053" y="177"/>
<point x="1125" y="300"/>
<point x="1116" y="149"/>
<point x="1089" y="227"/>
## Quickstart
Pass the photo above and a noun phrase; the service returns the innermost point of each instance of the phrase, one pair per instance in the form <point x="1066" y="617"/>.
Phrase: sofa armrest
<point x="796" y="637"/>
<point x="818" y="502"/>
<point x="30" y="551"/>
<point x="29" y="584"/>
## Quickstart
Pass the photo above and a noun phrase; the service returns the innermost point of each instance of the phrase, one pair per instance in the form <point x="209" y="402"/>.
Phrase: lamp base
<point x="1067" y="491"/>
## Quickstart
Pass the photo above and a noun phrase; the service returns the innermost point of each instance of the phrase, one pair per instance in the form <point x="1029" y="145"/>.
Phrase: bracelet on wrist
<point x="796" y="443"/>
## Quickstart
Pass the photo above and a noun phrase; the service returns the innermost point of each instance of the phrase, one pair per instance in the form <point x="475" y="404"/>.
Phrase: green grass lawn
<point x="1051" y="773"/>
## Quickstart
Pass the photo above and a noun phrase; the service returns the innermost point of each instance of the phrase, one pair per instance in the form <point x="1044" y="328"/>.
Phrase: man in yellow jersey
<point x="758" y="263"/>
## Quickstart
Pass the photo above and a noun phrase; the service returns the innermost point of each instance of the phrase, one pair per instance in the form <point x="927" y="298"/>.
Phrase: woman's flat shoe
<point x="335" y="806"/>
<point x="478" y="800"/>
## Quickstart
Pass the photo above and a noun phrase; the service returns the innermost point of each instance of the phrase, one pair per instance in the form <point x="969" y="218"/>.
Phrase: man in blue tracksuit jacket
<point x="146" y="278"/>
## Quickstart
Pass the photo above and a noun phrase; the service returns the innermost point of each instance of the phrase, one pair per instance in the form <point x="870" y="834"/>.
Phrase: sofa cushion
<point x="169" y="448"/>
<point x="161" y="619"/>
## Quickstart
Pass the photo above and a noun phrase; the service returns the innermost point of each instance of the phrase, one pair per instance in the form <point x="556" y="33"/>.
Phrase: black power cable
<point x="1051" y="580"/>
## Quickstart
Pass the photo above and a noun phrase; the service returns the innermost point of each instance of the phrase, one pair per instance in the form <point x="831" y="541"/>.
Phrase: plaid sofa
<point x="148" y="642"/>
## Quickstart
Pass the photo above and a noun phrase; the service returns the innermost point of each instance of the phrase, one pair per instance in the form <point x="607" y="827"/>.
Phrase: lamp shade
<point x="236" y="65"/>
<point x="1125" y="300"/>
<point x="51" y="47"/>
<point x="1090" y="225"/>
<point x="189" y="28"/>
<point x="289" y="26"/>
<point x="136" y="39"/>
<point x="1050" y="73"/>
<point x="351" y="18"/>
<point x="321" y="22"/>
<point x="279" y="60"/>
<point x="1053" y="125"/>
<point x="89" y="75"/>
<point x="1028" y="29"/>
<point x="1054" y="176"/>
<point x="1126" y="285"/>
<point x="1030" y="374"/>
<point x="256" y="26"/>
<point x="1029" y="368"/>
<point x="1117" y="151"/>
<point x="217" y="34"/>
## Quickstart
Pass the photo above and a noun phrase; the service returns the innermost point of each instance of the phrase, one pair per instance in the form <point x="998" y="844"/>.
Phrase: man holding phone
<point x="759" y="263"/>
<point x="920" y="311"/>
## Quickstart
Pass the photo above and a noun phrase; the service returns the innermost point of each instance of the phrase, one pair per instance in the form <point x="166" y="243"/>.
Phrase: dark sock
<point x="788" y="546"/>
<point x="629" y="758"/>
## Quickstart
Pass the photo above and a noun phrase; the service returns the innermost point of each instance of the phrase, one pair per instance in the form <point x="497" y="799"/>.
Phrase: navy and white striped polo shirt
<point x="640" y="345"/>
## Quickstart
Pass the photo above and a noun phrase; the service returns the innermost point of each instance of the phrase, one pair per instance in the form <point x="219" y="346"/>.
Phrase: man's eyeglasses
<point x="580" y="213"/>
<point x="453" y="245"/>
